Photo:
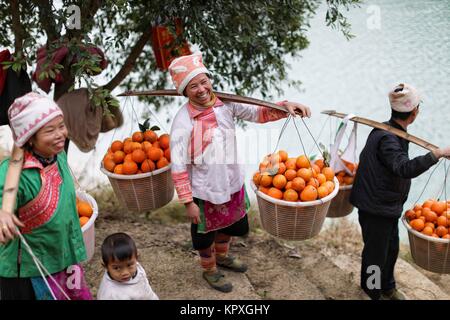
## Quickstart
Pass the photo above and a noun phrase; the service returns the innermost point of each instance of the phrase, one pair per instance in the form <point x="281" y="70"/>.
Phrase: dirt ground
<point x="325" y="267"/>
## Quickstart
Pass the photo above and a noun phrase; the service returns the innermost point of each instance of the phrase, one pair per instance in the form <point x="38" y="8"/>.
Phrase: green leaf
<point x="155" y="128"/>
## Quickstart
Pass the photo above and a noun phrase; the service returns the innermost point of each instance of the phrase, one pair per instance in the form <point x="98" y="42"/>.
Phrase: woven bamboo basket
<point x="293" y="220"/>
<point x="340" y="206"/>
<point x="431" y="254"/>
<point x="144" y="191"/>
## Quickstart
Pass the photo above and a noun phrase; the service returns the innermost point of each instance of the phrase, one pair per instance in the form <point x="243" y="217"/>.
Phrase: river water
<point x="395" y="41"/>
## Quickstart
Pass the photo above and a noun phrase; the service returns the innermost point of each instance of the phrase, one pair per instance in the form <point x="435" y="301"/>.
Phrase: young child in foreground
<point x="124" y="278"/>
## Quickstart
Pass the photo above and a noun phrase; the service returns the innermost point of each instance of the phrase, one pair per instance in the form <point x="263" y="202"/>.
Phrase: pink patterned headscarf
<point x="30" y="113"/>
<point x="404" y="98"/>
<point x="183" y="69"/>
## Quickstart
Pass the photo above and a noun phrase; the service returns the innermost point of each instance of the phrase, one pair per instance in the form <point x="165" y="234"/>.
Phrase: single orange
<point x="84" y="209"/>
<point x="109" y="165"/>
<point x="116" y="146"/>
<point x="150" y="136"/>
<point x="275" y="193"/>
<point x="155" y="154"/>
<point x="164" y="141"/>
<point x="290" y="174"/>
<point x="167" y="154"/>
<point x="138" y="156"/>
<point x="138" y="136"/>
<point x="118" y="156"/>
<point x="302" y="162"/>
<point x="163" y="162"/>
<point x="309" y="194"/>
<point x="147" y="165"/>
<point x="279" y="181"/>
<point x="266" y="180"/>
<point x="305" y="174"/>
<point x="118" y="169"/>
<point x="329" y="173"/>
<point x="83" y="221"/>
<point x="130" y="167"/>
<point x="290" y="195"/>
<point x="298" y="184"/>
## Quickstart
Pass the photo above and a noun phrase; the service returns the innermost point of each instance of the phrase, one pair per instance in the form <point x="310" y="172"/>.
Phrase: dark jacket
<point x="384" y="174"/>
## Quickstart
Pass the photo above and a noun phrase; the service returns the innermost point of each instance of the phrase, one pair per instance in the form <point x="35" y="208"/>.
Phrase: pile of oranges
<point x="343" y="177"/>
<point x="432" y="218"/>
<point x="85" y="211"/>
<point x="143" y="152"/>
<point x="294" y="179"/>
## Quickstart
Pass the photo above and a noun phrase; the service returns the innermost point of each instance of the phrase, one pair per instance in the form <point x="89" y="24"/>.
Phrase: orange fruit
<point x="83" y="221"/>
<point x="313" y="182"/>
<point x="118" y="156"/>
<point x="322" y="192"/>
<point x="162" y="163"/>
<point x="321" y="178"/>
<point x="128" y="157"/>
<point x="430" y="216"/>
<point x="309" y="194"/>
<point x="146" y="146"/>
<point x="130" y="167"/>
<point x="422" y="217"/>
<point x="316" y="170"/>
<point x="302" y="162"/>
<point x="298" y="184"/>
<point x="147" y="165"/>
<point x="428" y="203"/>
<point x="84" y="209"/>
<point x="447" y="236"/>
<point x="305" y="174"/>
<point x="156" y="144"/>
<point x="283" y="155"/>
<point x="275" y="193"/>
<point x="136" y="146"/>
<point x="442" y="221"/>
<point x="429" y="224"/>
<point x="266" y="180"/>
<point x="256" y="178"/>
<point x="116" y="146"/>
<point x="439" y="207"/>
<point x="164" y="141"/>
<point x="263" y="189"/>
<point x="279" y="181"/>
<point x="417" y="224"/>
<point x="138" y="156"/>
<point x="288" y="185"/>
<point x="348" y="180"/>
<point x="118" y="169"/>
<point x="109" y="156"/>
<point x="128" y="147"/>
<point x="410" y="215"/>
<point x="320" y="163"/>
<point x="290" y="174"/>
<point x="155" y="154"/>
<point x="109" y="165"/>
<point x="417" y="207"/>
<point x="138" y="136"/>
<point x="263" y="165"/>
<point x="167" y="154"/>
<point x="329" y="173"/>
<point x="150" y="136"/>
<point x="127" y="140"/>
<point x="291" y="164"/>
<point x="290" y="195"/>
<point x="281" y="168"/>
<point x="330" y="186"/>
<point x="428" y="231"/>
<point x="441" y="231"/>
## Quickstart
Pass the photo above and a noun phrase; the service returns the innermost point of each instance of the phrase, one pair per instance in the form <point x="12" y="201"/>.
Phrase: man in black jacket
<point x="381" y="187"/>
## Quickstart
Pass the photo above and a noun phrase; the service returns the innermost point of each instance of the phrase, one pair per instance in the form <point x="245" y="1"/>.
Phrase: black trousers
<point x="16" y="289"/>
<point x="381" y="247"/>
<point x="202" y="241"/>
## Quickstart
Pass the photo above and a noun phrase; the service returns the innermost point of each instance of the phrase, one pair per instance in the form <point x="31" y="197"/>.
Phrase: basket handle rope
<point x="428" y="180"/>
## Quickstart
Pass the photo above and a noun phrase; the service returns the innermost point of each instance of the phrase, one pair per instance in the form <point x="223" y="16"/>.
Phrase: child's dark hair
<point x="118" y="246"/>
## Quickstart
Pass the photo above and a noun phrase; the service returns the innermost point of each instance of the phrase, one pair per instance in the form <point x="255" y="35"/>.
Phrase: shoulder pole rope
<point x="8" y="205"/>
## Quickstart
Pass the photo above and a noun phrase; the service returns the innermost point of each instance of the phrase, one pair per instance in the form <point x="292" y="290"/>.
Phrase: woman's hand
<point x="193" y="212"/>
<point x="292" y="107"/>
<point x="8" y="223"/>
<point x="442" y="152"/>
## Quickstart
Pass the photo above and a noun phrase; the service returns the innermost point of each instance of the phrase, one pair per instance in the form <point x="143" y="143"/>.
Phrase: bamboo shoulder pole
<point x="222" y="95"/>
<point x="12" y="180"/>
<point x="383" y="126"/>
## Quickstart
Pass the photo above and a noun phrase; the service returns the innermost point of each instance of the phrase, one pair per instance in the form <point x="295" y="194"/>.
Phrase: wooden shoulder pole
<point x="383" y="126"/>
<point x="12" y="179"/>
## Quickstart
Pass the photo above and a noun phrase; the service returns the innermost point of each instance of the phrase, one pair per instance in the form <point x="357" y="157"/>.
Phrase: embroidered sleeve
<point x="268" y="114"/>
<point x="183" y="186"/>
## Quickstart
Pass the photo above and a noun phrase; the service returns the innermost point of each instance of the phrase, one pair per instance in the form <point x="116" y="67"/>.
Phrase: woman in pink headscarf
<point x="207" y="177"/>
<point x="46" y="209"/>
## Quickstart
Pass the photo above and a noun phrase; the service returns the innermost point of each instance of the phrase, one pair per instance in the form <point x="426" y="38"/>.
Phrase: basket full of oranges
<point x="87" y="212"/>
<point x="428" y="226"/>
<point x="293" y="195"/>
<point x="138" y="169"/>
<point x="341" y="206"/>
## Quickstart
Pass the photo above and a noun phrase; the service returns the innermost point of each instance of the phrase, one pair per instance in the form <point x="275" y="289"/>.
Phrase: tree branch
<point x="17" y="28"/>
<point x="129" y="62"/>
<point x="47" y="19"/>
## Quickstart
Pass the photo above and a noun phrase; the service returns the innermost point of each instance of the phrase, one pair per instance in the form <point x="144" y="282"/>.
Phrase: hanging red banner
<point x="165" y="47"/>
